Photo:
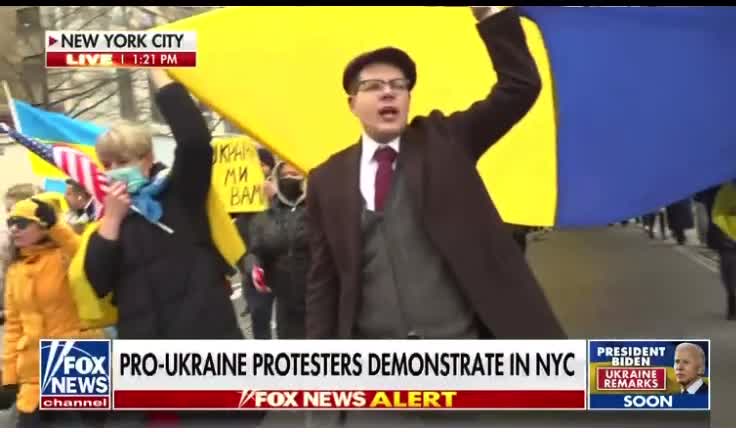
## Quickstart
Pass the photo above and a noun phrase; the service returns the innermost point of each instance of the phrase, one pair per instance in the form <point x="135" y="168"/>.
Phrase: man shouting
<point x="404" y="240"/>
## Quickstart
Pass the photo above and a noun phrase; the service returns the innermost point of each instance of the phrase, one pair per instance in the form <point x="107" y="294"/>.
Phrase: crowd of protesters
<point x="376" y="243"/>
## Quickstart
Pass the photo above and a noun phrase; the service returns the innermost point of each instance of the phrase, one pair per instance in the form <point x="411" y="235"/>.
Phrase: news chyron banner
<point x="120" y="49"/>
<point x="568" y="375"/>
<point x="311" y="374"/>
<point x="649" y="374"/>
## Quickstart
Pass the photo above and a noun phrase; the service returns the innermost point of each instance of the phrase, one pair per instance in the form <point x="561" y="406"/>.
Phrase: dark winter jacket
<point x="170" y="286"/>
<point x="242" y="223"/>
<point x="278" y="241"/>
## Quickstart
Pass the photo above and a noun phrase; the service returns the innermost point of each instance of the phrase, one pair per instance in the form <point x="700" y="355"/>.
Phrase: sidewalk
<point x="616" y="283"/>
<point x="692" y="242"/>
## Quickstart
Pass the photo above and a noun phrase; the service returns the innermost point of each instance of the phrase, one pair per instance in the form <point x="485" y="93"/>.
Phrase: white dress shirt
<point x="369" y="168"/>
<point x="692" y="388"/>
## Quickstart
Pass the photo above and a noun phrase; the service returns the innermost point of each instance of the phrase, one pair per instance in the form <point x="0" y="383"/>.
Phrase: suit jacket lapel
<point x="411" y="158"/>
<point x="350" y="193"/>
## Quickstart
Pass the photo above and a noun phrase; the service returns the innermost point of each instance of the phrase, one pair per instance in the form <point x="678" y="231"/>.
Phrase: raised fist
<point x="481" y="12"/>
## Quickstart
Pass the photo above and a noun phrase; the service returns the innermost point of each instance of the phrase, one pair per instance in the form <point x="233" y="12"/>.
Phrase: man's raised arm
<point x="516" y="90"/>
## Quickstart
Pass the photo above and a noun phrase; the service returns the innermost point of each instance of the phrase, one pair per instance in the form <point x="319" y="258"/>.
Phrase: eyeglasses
<point x="377" y="85"/>
<point x="21" y="223"/>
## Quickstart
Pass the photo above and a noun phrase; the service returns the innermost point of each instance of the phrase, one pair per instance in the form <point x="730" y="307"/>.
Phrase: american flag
<point x="77" y="165"/>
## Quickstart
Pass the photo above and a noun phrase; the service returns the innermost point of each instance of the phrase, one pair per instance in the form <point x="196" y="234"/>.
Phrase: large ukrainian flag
<point x="632" y="116"/>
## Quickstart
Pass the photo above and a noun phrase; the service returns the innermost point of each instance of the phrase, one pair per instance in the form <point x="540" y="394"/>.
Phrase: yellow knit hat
<point x="55" y="199"/>
<point x="26" y="208"/>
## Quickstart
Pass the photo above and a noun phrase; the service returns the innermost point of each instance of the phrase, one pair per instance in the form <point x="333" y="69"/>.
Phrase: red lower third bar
<point x="129" y="59"/>
<point x="351" y="399"/>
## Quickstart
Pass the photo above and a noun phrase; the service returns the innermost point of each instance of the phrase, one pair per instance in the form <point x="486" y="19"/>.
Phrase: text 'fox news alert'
<point x="120" y="49"/>
<point x="75" y="375"/>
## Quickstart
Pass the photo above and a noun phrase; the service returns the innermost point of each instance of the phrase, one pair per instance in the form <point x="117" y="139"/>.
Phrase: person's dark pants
<point x="185" y="419"/>
<point x="290" y="322"/>
<point x="7" y="398"/>
<point x="48" y="419"/>
<point x="679" y="235"/>
<point x="229" y="419"/>
<point x="728" y="276"/>
<point x="261" y="310"/>
<point x="662" y="224"/>
<point x="95" y="419"/>
<point x="648" y="221"/>
<point x="520" y="238"/>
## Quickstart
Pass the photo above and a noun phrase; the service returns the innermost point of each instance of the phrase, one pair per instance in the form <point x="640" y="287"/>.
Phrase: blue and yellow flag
<point x="644" y="98"/>
<point x="632" y="115"/>
<point x="55" y="128"/>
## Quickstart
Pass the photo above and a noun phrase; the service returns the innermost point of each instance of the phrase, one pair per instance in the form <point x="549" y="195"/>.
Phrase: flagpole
<point x="11" y="106"/>
<point x="158" y="224"/>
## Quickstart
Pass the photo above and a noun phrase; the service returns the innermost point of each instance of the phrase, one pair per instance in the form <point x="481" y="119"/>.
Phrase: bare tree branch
<point x="21" y="79"/>
<point x="150" y="12"/>
<point x="27" y="88"/>
<point x="94" y="105"/>
<point x="52" y="73"/>
<point x="64" y="82"/>
<point x="14" y="67"/>
<point x="60" y="20"/>
<point x="88" y="74"/>
<point x="99" y="15"/>
<point x="88" y="79"/>
<point x="57" y="87"/>
<point x="99" y="85"/>
<point x="76" y="105"/>
<point x="188" y="11"/>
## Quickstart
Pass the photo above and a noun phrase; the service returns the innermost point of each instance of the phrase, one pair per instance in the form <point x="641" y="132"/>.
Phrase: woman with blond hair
<point x="166" y="283"/>
<point x="161" y="279"/>
<point x="38" y="304"/>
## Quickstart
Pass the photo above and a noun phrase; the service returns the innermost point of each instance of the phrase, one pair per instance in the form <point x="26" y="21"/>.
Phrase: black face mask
<point x="291" y="188"/>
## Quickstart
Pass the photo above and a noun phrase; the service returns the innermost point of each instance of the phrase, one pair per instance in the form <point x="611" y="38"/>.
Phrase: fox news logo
<point x="75" y="374"/>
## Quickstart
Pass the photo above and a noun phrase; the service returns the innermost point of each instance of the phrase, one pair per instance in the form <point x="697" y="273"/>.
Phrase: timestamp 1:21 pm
<point x="150" y="59"/>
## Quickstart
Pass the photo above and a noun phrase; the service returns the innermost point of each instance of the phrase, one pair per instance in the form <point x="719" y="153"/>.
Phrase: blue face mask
<point x="132" y="176"/>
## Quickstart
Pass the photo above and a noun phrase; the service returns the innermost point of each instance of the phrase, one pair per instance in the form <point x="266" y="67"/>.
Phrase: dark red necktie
<point x="385" y="157"/>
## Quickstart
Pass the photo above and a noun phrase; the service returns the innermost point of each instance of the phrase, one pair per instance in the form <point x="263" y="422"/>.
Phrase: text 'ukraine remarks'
<point x="649" y="375"/>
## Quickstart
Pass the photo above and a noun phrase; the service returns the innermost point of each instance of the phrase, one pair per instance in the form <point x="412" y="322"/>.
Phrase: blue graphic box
<point x="649" y="375"/>
<point x="75" y="368"/>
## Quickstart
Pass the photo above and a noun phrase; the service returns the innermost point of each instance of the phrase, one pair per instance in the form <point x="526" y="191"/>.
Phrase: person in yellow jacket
<point x="14" y="194"/>
<point x="38" y="303"/>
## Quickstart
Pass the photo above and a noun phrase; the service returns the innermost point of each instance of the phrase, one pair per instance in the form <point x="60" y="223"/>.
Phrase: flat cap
<point x="388" y="55"/>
